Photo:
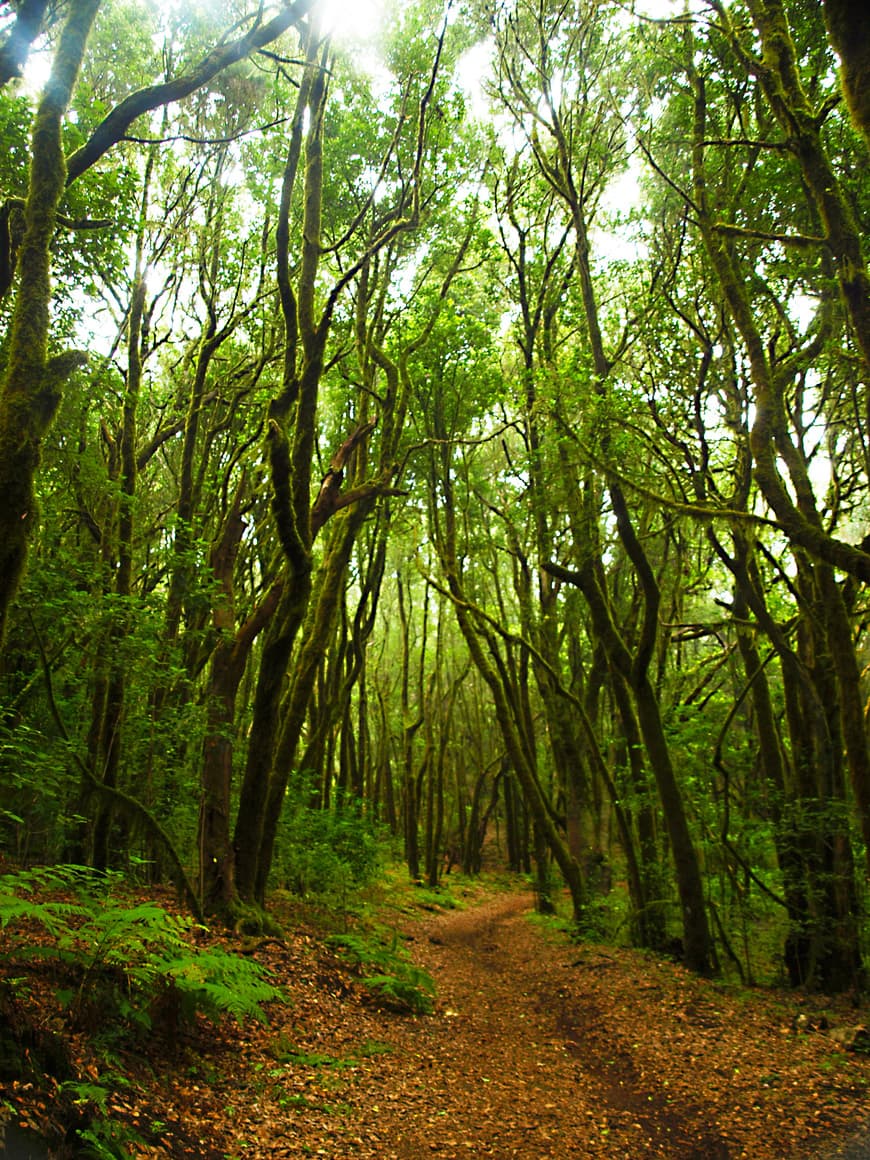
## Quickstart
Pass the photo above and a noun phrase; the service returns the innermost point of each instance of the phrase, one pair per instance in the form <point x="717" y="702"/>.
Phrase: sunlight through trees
<point x="441" y="434"/>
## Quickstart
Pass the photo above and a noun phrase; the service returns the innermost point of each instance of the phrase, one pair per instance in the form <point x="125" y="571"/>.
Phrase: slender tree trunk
<point x="271" y="681"/>
<point x="776" y="776"/>
<point x="645" y="873"/>
<point x="822" y="947"/>
<point x="317" y="631"/>
<point x="113" y="707"/>
<point x="780" y="78"/>
<point x="226" y="671"/>
<point x="410" y="726"/>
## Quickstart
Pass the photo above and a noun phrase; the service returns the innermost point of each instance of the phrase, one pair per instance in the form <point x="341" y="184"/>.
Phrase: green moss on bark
<point x="30" y="389"/>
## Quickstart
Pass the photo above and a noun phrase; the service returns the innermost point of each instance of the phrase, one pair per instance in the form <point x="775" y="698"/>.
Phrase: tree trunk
<point x="30" y="389"/>
<point x="226" y="670"/>
<point x="850" y="35"/>
<point x="271" y="680"/>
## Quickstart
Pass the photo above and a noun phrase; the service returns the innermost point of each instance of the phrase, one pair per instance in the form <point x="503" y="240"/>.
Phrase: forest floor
<point x="537" y="1047"/>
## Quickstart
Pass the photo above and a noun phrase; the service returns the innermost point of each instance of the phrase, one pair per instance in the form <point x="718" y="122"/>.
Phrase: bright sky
<point x="352" y="20"/>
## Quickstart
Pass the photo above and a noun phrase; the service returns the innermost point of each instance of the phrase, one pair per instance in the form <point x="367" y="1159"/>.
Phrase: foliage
<point x="101" y="1137"/>
<point x="395" y="981"/>
<point x="122" y="966"/>
<point x="511" y="332"/>
<point x="328" y="853"/>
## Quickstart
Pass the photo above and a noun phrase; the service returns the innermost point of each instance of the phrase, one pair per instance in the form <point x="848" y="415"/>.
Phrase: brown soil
<point x="541" y="1049"/>
<point x="537" y="1048"/>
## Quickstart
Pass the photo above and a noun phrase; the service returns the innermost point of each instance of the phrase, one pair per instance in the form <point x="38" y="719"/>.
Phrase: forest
<point x="446" y="446"/>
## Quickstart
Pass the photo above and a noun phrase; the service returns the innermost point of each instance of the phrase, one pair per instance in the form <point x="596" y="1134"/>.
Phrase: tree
<point x="311" y="599"/>
<point x="575" y="133"/>
<point x="34" y="377"/>
<point x="417" y="473"/>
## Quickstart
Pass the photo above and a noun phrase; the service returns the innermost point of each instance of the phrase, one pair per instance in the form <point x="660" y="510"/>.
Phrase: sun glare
<point x="352" y="21"/>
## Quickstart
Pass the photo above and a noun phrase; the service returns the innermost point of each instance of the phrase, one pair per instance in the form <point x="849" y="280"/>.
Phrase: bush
<point x="118" y="965"/>
<point x="328" y="852"/>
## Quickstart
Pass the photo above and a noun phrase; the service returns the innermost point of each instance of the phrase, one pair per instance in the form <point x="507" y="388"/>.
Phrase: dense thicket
<point x="374" y="466"/>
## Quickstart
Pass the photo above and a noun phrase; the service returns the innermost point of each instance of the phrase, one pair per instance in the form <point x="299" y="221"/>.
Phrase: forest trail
<point x="543" y="1049"/>
<point x="537" y="1048"/>
<point x="517" y="1063"/>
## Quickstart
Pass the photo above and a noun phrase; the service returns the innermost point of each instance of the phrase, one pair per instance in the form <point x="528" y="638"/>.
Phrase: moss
<point x="30" y="390"/>
<point x="849" y="31"/>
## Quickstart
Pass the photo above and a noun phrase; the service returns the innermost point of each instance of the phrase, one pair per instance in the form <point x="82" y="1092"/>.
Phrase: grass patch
<point x="285" y="1052"/>
<point x="554" y="927"/>
<point x="439" y="898"/>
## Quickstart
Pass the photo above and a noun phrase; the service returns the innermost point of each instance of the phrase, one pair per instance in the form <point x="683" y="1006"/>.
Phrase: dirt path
<point x="516" y="1065"/>
<point x="537" y="1048"/>
<point x="541" y="1049"/>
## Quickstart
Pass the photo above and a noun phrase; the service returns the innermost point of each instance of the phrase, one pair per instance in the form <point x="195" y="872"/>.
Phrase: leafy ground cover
<point x="535" y="1047"/>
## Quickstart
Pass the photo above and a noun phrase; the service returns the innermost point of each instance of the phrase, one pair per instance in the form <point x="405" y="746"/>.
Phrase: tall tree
<point x="34" y="376"/>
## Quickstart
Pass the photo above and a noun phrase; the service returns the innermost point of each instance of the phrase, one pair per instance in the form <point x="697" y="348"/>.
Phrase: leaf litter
<point x="536" y="1048"/>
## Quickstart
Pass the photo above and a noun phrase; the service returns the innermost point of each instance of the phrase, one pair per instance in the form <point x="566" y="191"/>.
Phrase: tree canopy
<point x="461" y="439"/>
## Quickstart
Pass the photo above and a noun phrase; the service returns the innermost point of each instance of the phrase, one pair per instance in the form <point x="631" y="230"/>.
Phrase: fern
<point x="412" y="993"/>
<point x="219" y="983"/>
<point x="125" y="960"/>
<point x="53" y="917"/>
<point x="396" y="982"/>
<point x="361" y="951"/>
<point x="65" y="876"/>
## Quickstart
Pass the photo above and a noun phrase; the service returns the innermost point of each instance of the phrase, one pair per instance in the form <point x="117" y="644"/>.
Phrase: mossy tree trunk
<point x="287" y="681"/>
<point x="31" y="386"/>
<point x="109" y="726"/>
<point x="106" y="732"/>
<point x="290" y="501"/>
<point x="411" y="722"/>
<point x="772" y="444"/>
<point x="226" y="670"/>
<point x="633" y="669"/>
<point x="778" y="72"/>
<point x="849" y="31"/>
<point x="489" y="658"/>
<point x="806" y="778"/>
<point x="315" y="635"/>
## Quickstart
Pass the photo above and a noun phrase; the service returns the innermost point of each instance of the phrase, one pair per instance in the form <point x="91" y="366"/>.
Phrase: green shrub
<point x="118" y="965"/>
<point x="395" y="982"/>
<point x="327" y="853"/>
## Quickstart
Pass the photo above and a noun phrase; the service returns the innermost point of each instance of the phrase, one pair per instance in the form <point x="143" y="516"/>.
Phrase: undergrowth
<point x="387" y="971"/>
<point x="118" y="967"/>
<point x="119" y="971"/>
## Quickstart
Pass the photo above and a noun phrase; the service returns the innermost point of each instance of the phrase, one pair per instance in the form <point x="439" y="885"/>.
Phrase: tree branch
<point x="113" y="127"/>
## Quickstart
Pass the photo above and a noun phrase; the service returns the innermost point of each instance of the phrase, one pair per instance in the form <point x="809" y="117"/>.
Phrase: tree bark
<point x="226" y="670"/>
<point x="849" y="31"/>
<point x="30" y="389"/>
